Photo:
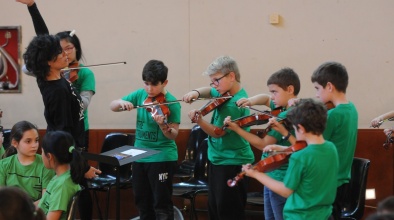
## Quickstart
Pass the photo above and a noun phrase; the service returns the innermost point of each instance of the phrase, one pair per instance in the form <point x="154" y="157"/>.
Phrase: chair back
<point x="197" y="135"/>
<point x="72" y="206"/>
<point x="6" y="141"/>
<point x="201" y="163"/>
<point x="353" y="205"/>
<point x="112" y="141"/>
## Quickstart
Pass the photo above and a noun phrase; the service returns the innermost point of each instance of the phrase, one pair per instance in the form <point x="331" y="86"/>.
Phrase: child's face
<point x="69" y="49"/>
<point x="60" y="62"/>
<point x="279" y="96"/>
<point x="322" y="93"/>
<point x="221" y="82"/>
<point x="28" y="145"/>
<point x="154" y="90"/>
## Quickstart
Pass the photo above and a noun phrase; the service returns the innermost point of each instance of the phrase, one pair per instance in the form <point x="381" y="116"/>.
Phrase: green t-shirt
<point x="33" y="178"/>
<point x="312" y="175"/>
<point x="58" y="194"/>
<point x="341" y="129"/>
<point x="2" y="151"/>
<point x="148" y="133"/>
<point x="85" y="82"/>
<point x="230" y="149"/>
<point x="278" y="174"/>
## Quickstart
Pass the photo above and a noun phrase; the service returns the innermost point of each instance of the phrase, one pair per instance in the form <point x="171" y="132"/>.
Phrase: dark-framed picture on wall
<point x="10" y="59"/>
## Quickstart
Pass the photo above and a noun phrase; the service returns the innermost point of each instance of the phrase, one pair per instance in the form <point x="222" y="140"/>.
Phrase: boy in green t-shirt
<point x="283" y="86"/>
<point x="331" y="80"/>
<point x="156" y="128"/>
<point x="311" y="179"/>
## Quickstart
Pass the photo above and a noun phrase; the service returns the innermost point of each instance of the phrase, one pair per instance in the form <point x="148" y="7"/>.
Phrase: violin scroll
<point x="210" y="106"/>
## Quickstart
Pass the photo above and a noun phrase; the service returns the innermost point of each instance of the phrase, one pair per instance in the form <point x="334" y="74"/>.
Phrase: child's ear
<point x="330" y="87"/>
<point x="301" y="129"/>
<point x="14" y="143"/>
<point x="165" y="82"/>
<point x="290" y="89"/>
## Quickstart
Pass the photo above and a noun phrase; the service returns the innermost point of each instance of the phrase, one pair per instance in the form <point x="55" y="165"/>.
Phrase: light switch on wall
<point x="274" y="19"/>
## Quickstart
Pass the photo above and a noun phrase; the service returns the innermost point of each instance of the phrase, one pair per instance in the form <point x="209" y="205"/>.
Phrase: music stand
<point x="119" y="157"/>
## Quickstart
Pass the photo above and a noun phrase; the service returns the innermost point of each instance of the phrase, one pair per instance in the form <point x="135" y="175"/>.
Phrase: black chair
<point x="353" y="205"/>
<point x="107" y="179"/>
<point x="72" y="206"/>
<point x="185" y="168"/>
<point x="198" y="183"/>
<point x="255" y="199"/>
<point x="6" y="141"/>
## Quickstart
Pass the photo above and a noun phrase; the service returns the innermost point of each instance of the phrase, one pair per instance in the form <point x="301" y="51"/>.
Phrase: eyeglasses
<point x="216" y="81"/>
<point x="68" y="49"/>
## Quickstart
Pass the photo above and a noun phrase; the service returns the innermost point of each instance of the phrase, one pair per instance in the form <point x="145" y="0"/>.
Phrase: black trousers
<point x="152" y="187"/>
<point x="224" y="202"/>
<point x="338" y="203"/>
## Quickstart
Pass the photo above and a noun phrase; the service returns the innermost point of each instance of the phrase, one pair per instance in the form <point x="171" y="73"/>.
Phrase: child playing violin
<point x="152" y="176"/>
<point x="311" y="179"/>
<point x="227" y="151"/>
<point x="330" y="80"/>
<point x="283" y="85"/>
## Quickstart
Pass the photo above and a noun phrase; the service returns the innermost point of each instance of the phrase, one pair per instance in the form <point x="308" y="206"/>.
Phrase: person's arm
<point x="276" y="186"/>
<point x="39" y="24"/>
<point x="203" y="92"/>
<point x="120" y="105"/>
<point x="86" y="96"/>
<point x="253" y="139"/>
<point x="376" y="122"/>
<point x="260" y="99"/>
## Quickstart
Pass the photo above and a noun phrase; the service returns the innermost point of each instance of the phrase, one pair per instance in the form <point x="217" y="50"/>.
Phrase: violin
<point x="283" y="121"/>
<point x="271" y="163"/>
<point x="210" y="106"/>
<point x="329" y="105"/>
<point x="253" y="119"/>
<point x="389" y="140"/>
<point x="157" y="109"/>
<point x="71" y="73"/>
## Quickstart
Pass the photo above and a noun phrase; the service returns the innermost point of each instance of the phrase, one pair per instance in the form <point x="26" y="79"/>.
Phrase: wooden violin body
<point x="253" y="119"/>
<point x="157" y="109"/>
<point x="271" y="163"/>
<point x="210" y="106"/>
<point x="71" y="74"/>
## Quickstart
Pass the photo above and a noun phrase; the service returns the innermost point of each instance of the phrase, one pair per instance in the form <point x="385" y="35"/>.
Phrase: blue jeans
<point x="273" y="205"/>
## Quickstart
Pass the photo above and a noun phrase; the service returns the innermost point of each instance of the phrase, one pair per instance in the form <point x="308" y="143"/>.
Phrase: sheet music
<point x="133" y="152"/>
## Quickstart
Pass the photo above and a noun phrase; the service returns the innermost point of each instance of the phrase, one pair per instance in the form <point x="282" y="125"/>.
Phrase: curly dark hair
<point x="41" y="49"/>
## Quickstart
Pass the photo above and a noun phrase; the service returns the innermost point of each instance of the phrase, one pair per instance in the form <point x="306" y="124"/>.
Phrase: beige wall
<point x="188" y="35"/>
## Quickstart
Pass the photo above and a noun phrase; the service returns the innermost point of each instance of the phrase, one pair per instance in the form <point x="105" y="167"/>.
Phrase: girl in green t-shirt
<point x="59" y="154"/>
<point x="25" y="169"/>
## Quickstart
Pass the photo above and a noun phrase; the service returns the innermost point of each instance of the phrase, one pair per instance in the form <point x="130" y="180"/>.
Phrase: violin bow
<point x="94" y="65"/>
<point x="382" y="121"/>
<point x="264" y="112"/>
<point x="176" y="101"/>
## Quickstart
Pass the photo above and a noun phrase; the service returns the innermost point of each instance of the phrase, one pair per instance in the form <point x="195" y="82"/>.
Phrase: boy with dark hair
<point x="152" y="176"/>
<point x="311" y="179"/>
<point x="331" y="80"/>
<point x="283" y="86"/>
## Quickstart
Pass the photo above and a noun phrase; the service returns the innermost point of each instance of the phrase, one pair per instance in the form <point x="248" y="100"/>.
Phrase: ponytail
<point x="61" y="145"/>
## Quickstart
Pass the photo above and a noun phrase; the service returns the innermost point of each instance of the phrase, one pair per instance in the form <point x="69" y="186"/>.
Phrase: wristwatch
<point x="285" y="138"/>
